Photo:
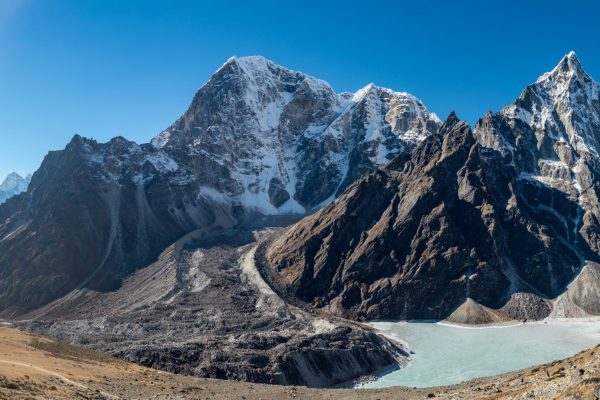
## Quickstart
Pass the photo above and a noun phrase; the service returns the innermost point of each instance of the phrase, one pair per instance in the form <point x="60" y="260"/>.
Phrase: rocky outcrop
<point x="523" y="306"/>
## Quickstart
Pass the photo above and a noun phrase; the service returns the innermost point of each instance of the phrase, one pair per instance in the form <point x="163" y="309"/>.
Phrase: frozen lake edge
<point x="447" y="353"/>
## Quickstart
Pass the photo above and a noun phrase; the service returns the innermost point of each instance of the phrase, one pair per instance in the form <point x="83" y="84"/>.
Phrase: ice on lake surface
<point x="446" y="354"/>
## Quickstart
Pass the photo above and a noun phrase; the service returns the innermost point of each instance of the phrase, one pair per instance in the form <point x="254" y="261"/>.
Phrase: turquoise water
<point x="446" y="354"/>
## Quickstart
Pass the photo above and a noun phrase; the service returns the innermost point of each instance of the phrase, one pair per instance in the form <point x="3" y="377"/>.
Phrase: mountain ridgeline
<point x="257" y="139"/>
<point x="412" y="218"/>
<point x="224" y="246"/>
<point x="474" y="227"/>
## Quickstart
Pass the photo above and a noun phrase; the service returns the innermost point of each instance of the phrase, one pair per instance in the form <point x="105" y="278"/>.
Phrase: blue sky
<point x="130" y="68"/>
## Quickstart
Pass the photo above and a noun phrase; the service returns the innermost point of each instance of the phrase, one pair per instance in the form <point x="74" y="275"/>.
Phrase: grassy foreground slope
<point x="33" y="367"/>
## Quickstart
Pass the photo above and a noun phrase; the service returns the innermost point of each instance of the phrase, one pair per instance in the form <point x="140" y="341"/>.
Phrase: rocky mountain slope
<point x="504" y="217"/>
<point x="167" y="243"/>
<point x="279" y="140"/>
<point x="203" y="310"/>
<point x="258" y="139"/>
<point x="12" y="185"/>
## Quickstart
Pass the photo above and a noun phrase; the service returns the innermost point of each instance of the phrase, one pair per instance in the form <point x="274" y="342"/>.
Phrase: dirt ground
<point x="32" y="367"/>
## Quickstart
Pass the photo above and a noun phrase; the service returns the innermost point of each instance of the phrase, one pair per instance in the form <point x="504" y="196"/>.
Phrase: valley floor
<point x="32" y="367"/>
<point x="202" y="309"/>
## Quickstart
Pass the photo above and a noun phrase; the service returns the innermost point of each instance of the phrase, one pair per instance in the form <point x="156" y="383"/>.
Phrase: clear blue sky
<point x="115" y="67"/>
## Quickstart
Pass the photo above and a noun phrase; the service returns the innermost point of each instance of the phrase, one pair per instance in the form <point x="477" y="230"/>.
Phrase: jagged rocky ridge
<point x="12" y="185"/>
<point x="472" y="226"/>
<point x="258" y="139"/>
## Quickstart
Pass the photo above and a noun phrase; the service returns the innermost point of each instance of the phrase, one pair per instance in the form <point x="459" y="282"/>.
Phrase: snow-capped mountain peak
<point x="565" y="102"/>
<point x="276" y="131"/>
<point x="364" y="92"/>
<point x="12" y="185"/>
<point x="406" y="101"/>
<point x="568" y="67"/>
<point x="251" y="91"/>
<point x="552" y="130"/>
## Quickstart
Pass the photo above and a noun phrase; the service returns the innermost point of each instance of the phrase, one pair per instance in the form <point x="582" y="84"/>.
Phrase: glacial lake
<point x="447" y="354"/>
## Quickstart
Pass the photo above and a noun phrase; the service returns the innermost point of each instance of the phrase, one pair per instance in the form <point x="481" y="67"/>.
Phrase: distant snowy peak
<point x="407" y="116"/>
<point x="15" y="181"/>
<point x="12" y="185"/>
<point x="384" y="122"/>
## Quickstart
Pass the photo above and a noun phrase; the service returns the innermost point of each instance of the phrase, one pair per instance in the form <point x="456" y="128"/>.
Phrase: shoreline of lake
<point x="447" y="353"/>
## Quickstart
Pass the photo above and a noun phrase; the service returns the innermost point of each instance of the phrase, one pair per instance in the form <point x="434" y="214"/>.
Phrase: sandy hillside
<point x="32" y="367"/>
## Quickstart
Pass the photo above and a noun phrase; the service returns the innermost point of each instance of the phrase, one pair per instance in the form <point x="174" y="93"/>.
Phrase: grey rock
<point x="527" y="307"/>
<point x="277" y="193"/>
<point x="201" y="310"/>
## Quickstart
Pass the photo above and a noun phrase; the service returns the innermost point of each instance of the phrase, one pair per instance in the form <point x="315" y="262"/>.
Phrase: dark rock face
<point x="506" y="218"/>
<point x="455" y="221"/>
<point x="394" y="239"/>
<point x="258" y="139"/>
<point x="79" y="225"/>
<point x="277" y="193"/>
